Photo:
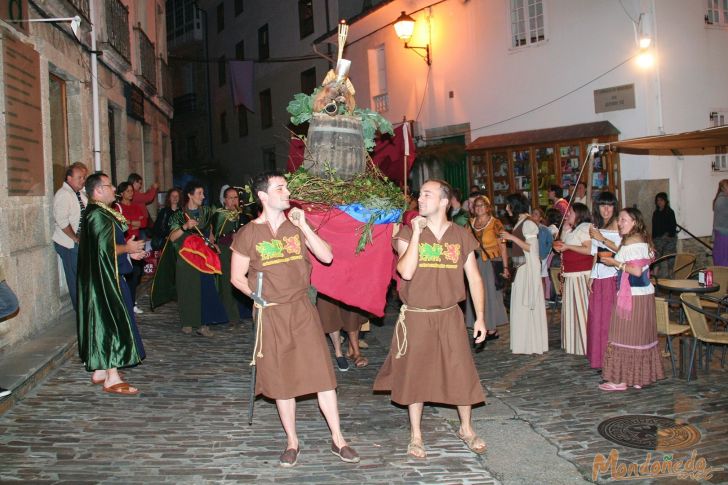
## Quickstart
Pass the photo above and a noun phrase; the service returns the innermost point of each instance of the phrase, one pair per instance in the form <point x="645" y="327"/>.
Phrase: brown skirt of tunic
<point x="337" y="316"/>
<point x="629" y="365"/>
<point x="438" y="366"/>
<point x="295" y="358"/>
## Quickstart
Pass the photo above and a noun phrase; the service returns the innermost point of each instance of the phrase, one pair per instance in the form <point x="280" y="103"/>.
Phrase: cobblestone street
<point x="189" y="425"/>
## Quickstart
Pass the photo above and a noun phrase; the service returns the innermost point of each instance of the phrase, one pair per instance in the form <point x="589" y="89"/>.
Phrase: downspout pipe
<point x="95" y="89"/>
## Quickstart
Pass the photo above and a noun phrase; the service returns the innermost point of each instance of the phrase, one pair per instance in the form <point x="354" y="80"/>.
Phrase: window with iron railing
<point x="81" y="6"/>
<point x="148" y="60"/>
<point x="187" y="103"/>
<point x="381" y="103"/>
<point x="117" y="27"/>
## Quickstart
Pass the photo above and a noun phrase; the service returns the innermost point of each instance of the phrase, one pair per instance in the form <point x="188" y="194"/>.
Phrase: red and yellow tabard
<point x="438" y="281"/>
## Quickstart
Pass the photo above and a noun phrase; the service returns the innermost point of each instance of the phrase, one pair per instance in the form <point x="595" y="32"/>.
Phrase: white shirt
<point x="66" y="211"/>
<point x="601" y="271"/>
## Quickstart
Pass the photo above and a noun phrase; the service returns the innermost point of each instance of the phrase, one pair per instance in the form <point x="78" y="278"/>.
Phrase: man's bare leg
<point x="336" y="340"/>
<point x="287" y="413"/>
<point x="330" y="408"/>
<point x="354" y="350"/>
<point x="467" y="433"/>
<point x="416" y="446"/>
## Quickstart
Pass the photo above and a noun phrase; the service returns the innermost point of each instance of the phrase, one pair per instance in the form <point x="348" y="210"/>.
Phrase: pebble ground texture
<point x="189" y="424"/>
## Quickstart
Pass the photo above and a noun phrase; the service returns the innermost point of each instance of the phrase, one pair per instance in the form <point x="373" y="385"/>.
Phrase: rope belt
<point x="401" y="326"/>
<point x="258" y="348"/>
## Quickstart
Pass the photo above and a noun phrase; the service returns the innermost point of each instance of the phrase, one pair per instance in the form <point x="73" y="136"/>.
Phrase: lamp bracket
<point x="417" y="50"/>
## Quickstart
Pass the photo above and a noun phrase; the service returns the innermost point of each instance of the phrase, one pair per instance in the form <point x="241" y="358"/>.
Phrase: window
<point x="242" y="121"/>
<point x="717" y="12"/>
<point x="240" y="50"/>
<point x="527" y="22"/>
<point x="221" y="71"/>
<point x="305" y="17"/>
<point x="378" y="79"/>
<point x="266" y="110"/>
<point x="221" y="16"/>
<point x="263" y="47"/>
<point x="269" y="159"/>
<point x="223" y="128"/>
<point x="308" y="80"/>
<point x="718" y="118"/>
<point x="238" y="7"/>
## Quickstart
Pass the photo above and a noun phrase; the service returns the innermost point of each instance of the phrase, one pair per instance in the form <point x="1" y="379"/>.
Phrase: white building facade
<point x="504" y="66"/>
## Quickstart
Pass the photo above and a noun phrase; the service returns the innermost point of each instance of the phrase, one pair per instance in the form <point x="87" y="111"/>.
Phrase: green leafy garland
<point x="301" y="110"/>
<point x="371" y="189"/>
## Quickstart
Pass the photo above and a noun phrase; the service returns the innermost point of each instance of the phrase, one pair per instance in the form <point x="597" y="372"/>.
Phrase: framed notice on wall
<point x="24" y="123"/>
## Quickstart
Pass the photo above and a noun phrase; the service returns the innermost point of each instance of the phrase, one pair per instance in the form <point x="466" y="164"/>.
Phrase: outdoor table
<point x="678" y="287"/>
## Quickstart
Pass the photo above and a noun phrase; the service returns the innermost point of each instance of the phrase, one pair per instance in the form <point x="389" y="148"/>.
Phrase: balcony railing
<point x="148" y="60"/>
<point x="187" y="103"/>
<point x="117" y="28"/>
<point x="81" y="7"/>
<point x="166" y="80"/>
<point x="381" y="103"/>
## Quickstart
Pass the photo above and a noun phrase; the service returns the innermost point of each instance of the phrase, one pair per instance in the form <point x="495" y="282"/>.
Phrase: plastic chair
<point x="720" y="277"/>
<point x="701" y="331"/>
<point x="667" y="327"/>
<point x="682" y="265"/>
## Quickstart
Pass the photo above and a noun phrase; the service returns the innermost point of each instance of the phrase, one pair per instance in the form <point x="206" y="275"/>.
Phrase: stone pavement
<point x="189" y="425"/>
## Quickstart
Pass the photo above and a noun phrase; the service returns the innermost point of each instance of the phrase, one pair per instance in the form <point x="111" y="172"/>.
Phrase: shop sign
<point x="23" y="118"/>
<point x="614" y="98"/>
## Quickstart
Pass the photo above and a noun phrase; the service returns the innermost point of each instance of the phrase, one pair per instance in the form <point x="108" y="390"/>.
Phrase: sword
<point x="257" y="297"/>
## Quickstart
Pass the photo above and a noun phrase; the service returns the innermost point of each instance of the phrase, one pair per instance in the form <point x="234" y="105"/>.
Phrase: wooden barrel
<point x="335" y="143"/>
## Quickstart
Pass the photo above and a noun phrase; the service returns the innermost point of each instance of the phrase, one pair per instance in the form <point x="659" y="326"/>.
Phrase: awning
<point x="596" y="129"/>
<point x="700" y="142"/>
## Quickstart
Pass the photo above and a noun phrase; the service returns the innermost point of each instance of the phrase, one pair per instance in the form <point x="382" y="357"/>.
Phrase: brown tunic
<point x="336" y="315"/>
<point x="438" y="365"/>
<point x="295" y="358"/>
<point x="516" y="250"/>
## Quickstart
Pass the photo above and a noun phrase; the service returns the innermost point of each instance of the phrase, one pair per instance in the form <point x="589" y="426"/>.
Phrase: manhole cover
<point x="648" y="432"/>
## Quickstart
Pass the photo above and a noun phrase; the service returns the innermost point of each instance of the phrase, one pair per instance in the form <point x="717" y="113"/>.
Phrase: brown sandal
<point x="361" y="361"/>
<point x="122" y="388"/>
<point x="416" y="449"/>
<point x="471" y="441"/>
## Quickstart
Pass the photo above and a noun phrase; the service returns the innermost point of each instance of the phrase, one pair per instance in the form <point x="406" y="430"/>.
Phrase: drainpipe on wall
<point x="95" y="90"/>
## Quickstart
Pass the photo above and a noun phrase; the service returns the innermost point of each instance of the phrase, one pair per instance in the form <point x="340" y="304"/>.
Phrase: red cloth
<point x="199" y="255"/>
<point x="135" y="212"/>
<point x="574" y="262"/>
<point x="388" y="155"/>
<point x="360" y="280"/>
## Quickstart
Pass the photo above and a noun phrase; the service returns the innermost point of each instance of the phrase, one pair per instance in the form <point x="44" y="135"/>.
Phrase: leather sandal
<point x="416" y="449"/>
<point x="472" y="443"/>
<point x="122" y="388"/>
<point x="610" y="386"/>
<point x="345" y="453"/>
<point x="361" y="361"/>
<point x="289" y="457"/>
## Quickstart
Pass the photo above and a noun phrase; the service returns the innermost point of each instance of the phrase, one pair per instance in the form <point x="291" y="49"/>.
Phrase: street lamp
<point x="75" y="22"/>
<point x="404" y="26"/>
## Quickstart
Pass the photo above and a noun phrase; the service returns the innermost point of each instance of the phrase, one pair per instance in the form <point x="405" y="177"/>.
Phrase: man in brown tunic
<point x="290" y="350"/>
<point x="430" y="359"/>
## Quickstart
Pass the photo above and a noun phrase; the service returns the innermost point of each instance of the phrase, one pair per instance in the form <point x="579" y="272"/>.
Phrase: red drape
<point x="360" y="280"/>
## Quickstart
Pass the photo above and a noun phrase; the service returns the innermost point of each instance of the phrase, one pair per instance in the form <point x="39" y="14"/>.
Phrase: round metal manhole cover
<point x="647" y="432"/>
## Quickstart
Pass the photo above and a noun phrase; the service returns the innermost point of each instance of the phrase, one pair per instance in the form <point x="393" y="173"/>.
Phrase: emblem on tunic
<point x="452" y="252"/>
<point x="276" y="248"/>
<point x="430" y="252"/>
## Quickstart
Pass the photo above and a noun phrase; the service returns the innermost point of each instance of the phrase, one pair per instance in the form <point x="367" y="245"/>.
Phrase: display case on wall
<point x="478" y="171"/>
<point x="501" y="181"/>
<point x="530" y="162"/>
<point x="545" y="173"/>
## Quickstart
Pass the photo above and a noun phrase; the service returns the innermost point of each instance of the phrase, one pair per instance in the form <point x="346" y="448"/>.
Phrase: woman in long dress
<point x="633" y="356"/>
<point x="603" y="283"/>
<point x="720" y="225"/>
<point x="529" y="332"/>
<point x="576" y="263"/>
<point x="486" y="230"/>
